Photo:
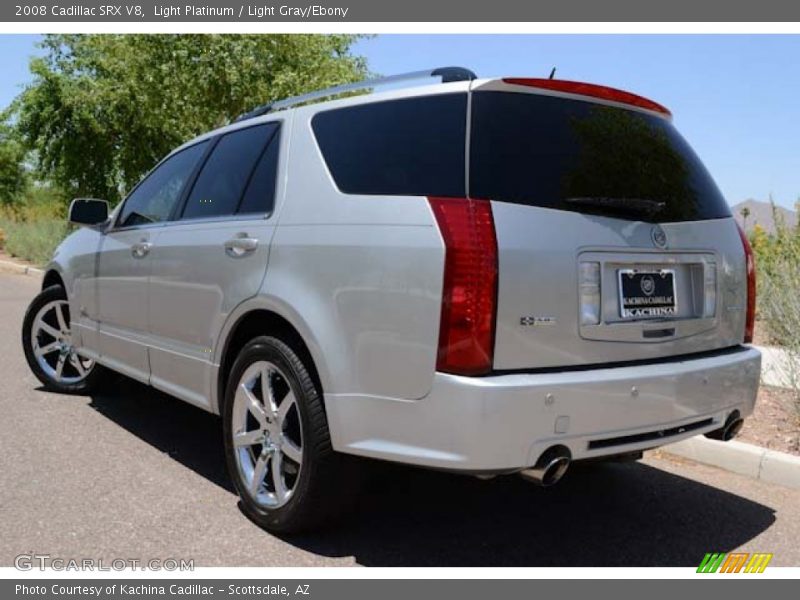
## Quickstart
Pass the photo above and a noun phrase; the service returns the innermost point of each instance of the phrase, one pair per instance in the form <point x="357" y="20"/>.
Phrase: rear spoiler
<point x="575" y="90"/>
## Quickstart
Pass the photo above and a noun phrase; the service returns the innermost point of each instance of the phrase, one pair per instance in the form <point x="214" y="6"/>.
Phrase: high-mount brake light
<point x="591" y="90"/>
<point x="469" y="295"/>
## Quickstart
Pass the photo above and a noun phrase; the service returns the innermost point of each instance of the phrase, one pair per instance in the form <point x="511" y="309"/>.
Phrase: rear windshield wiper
<point x="639" y="205"/>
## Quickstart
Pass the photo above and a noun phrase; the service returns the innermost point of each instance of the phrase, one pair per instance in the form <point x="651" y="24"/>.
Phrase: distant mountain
<point x="761" y="214"/>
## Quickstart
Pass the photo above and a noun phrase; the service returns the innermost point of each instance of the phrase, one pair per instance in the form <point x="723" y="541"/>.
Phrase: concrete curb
<point x="748" y="460"/>
<point x="779" y="368"/>
<point x="22" y="269"/>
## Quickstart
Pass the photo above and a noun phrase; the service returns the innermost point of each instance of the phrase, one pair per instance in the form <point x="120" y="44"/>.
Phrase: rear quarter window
<point x="549" y="151"/>
<point x="412" y="146"/>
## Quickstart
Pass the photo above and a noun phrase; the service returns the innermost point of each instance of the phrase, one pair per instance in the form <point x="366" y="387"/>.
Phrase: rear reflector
<point x="709" y="289"/>
<point x="591" y="90"/>
<point x="750" y="320"/>
<point x="589" y="289"/>
<point x="469" y="295"/>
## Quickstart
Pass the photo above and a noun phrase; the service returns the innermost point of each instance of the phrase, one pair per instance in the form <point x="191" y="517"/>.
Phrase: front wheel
<point x="277" y="445"/>
<point x="47" y="342"/>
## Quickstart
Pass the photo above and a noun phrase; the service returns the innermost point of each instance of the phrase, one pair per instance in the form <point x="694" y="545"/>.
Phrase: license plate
<point x="647" y="294"/>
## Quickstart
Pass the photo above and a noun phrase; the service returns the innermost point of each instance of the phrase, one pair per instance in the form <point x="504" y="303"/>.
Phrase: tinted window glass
<point x="259" y="197"/>
<point x="154" y="198"/>
<point x="413" y="146"/>
<point x="221" y="182"/>
<point x="574" y="155"/>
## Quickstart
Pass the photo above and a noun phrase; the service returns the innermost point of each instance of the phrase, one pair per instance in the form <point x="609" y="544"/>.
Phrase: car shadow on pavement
<point x="624" y="514"/>
<point x="619" y="514"/>
<point x="186" y="433"/>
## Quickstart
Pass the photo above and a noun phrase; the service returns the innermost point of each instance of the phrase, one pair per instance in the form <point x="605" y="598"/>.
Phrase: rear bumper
<point x="503" y="423"/>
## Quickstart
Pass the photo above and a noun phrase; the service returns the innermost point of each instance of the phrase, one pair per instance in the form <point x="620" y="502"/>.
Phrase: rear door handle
<point x="240" y="246"/>
<point x="141" y="249"/>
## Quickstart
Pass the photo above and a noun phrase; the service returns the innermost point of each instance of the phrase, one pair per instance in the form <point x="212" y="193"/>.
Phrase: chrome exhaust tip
<point x="550" y="468"/>
<point x="733" y="425"/>
<point x="733" y="429"/>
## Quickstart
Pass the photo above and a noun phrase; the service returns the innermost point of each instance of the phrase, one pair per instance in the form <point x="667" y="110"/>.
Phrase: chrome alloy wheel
<point x="52" y="345"/>
<point x="267" y="434"/>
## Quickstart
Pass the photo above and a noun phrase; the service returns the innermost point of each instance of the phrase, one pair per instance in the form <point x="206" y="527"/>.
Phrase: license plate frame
<point x="663" y="282"/>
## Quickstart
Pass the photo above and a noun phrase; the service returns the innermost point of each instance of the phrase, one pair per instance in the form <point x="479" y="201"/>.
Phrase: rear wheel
<point x="49" y="350"/>
<point x="277" y="443"/>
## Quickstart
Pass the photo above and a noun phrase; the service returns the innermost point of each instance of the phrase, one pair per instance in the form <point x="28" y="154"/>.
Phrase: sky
<point x="736" y="98"/>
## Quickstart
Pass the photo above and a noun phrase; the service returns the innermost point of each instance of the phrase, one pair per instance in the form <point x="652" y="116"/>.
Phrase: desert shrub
<point x="778" y="271"/>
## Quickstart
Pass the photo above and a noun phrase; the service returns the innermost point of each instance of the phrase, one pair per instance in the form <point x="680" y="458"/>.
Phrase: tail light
<point x="591" y="90"/>
<point x="750" y="320"/>
<point x="469" y="297"/>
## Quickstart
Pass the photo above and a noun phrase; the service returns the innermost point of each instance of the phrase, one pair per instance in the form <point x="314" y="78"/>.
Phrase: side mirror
<point x="88" y="211"/>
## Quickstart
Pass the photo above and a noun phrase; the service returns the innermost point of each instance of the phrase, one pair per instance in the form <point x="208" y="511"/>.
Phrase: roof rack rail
<point x="447" y="74"/>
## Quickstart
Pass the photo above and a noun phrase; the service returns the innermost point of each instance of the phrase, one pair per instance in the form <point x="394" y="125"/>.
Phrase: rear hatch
<point x="614" y="243"/>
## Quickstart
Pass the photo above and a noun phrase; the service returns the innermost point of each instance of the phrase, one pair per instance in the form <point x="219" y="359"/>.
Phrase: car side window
<point x="259" y="196"/>
<point x="224" y="182"/>
<point x="408" y="147"/>
<point x="153" y="199"/>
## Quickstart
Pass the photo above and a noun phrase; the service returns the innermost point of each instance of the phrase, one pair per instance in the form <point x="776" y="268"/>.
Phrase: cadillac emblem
<point x="658" y="236"/>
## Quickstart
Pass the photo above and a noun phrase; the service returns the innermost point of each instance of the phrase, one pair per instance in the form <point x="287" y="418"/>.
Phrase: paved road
<point x="136" y="474"/>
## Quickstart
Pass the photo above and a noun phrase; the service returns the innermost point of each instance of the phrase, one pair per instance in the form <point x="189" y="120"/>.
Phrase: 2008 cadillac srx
<point x="486" y="276"/>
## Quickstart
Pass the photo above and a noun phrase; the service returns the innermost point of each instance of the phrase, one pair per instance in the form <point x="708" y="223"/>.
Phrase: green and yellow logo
<point x="734" y="562"/>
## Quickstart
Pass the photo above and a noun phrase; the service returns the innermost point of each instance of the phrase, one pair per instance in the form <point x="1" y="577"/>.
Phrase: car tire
<point x="277" y="443"/>
<point x="47" y="326"/>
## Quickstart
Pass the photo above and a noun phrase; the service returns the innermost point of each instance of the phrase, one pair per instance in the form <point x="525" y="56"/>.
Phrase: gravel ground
<point x="775" y="422"/>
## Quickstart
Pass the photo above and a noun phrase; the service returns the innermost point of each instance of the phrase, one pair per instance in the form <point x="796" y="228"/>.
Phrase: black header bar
<point x="468" y="11"/>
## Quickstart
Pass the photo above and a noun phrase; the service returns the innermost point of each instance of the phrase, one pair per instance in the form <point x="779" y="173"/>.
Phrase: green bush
<point x="33" y="241"/>
<point x="31" y="229"/>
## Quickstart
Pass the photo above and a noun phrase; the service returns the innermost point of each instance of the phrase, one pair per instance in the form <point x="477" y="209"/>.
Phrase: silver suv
<point x="485" y="276"/>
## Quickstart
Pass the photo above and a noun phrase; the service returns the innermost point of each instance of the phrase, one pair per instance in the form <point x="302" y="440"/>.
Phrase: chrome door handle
<point x="141" y="249"/>
<point x="240" y="246"/>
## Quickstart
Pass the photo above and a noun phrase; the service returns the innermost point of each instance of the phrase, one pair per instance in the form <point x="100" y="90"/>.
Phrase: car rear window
<point x="582" y="156"/>
<point x="412" y="146"/>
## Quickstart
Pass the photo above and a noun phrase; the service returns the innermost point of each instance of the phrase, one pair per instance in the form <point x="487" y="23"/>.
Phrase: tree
<point x="103" y="109"/>
<point x="797" y="219"/>
<point x="13" y="176"/>
<point x="745" y="212"/>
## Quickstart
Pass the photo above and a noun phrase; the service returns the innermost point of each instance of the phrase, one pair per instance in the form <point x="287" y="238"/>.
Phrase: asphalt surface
<point x="136" y="474"/>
